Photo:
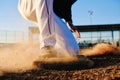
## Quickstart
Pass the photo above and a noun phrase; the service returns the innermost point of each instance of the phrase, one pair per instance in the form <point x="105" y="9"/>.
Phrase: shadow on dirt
<point x="105" y="60"/>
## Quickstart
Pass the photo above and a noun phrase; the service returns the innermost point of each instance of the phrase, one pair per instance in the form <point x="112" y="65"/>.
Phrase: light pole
<point x="90" y="15"/>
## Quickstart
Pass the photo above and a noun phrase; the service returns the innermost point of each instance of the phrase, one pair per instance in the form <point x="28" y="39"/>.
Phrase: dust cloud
<point x="21" y="57"/>
<point x="17" y="58"/>
<point x="100" y="49"/>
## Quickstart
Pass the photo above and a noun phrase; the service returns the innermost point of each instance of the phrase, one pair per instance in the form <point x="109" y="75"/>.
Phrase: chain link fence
<point x="12" y="36"/>
<point x="86" y="37"/>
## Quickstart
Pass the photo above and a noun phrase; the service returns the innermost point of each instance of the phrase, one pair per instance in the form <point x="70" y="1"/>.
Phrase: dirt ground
<point x="107" y="67"/>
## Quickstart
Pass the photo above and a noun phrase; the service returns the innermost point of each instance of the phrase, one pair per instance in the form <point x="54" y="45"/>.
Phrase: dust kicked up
<point x="21" y="57"/>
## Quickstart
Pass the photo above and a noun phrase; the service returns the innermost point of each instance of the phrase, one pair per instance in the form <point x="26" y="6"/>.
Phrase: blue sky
<point x="104" y="12"/>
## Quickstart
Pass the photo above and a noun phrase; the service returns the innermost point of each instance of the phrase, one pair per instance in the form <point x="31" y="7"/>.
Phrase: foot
<point x="48" y="52"/>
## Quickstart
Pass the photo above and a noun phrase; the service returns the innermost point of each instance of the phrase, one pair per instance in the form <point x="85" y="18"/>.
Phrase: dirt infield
<point x="107" y="67"/>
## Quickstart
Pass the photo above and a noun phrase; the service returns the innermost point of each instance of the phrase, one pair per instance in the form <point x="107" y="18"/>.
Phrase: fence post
<point x="113" y="38"/>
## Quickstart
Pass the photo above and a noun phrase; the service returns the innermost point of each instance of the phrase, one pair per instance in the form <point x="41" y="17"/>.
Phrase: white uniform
<point x="53" y="31"/>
